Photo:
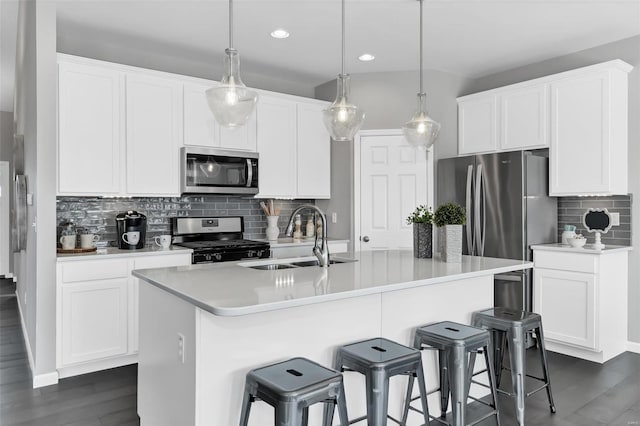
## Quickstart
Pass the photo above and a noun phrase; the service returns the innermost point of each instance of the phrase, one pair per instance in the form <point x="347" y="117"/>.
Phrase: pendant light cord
<point x="231" y="23"/>
<point x="343" y="37"/>
<point x="421" y="88"/>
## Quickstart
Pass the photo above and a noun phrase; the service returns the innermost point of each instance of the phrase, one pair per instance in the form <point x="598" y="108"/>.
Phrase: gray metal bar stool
<point x="291" y="387"/>
<point x="510" y="327"/>
<point x="457" y="345"/>
<point x="379" y="359"/>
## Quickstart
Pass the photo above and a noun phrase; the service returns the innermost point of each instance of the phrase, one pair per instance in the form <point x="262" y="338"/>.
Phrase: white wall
<point x="628" y="50"/>
<point x="389" y="100"/>
<point x="36" y="76"/>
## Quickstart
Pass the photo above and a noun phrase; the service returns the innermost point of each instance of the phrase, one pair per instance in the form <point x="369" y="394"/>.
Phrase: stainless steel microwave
<point x="218" y="171"/>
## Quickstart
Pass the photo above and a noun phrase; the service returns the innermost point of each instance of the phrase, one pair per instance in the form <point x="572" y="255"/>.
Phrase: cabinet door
<point x="580" y="136"/>
<point x="567" y="303"/>
<point x="154" y="135"/>
<point x="477" y="125"/>
<point x="200" y="127"/>
<point x="524" y="114"/>
<point x="89" y="129"/>
<point x="94" y="320"/>
<point x="241" y="138"/>
<point x="277" y="147"/>
<point x="314" y="153"/>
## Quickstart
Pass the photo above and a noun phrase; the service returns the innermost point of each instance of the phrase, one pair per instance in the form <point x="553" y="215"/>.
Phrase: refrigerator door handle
<point x="480" y="193"/>
<point x="469" y="226"/>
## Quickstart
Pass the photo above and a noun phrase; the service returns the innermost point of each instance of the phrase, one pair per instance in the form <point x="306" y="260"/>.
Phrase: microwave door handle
<point x="249" y="173"/>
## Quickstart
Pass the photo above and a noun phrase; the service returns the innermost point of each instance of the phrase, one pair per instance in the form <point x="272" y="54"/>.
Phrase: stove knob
<point x="207" y="257"/>
<point x="250" y="253"/>
<point x="218" y="256"/>
<point x="260" y="253"/>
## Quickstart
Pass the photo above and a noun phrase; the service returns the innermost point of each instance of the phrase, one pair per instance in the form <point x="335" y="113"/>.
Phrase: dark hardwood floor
<point x="585" y="393"/>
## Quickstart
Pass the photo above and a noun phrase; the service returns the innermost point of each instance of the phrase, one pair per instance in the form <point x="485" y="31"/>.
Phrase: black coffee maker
<point x="132" y="230"/>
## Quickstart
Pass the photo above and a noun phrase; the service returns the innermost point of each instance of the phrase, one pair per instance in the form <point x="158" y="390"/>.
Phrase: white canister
<point x="569" y="232"/>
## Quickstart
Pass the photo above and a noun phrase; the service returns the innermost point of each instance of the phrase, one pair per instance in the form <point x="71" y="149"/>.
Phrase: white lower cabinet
<point x="582" y="298"/>
<point x="97" y="311"/>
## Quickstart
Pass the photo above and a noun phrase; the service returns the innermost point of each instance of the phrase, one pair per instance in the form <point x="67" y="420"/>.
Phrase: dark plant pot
<point x="422" y="240"/>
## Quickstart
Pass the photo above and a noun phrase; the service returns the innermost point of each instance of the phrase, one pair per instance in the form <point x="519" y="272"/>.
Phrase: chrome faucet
<point x="320" y="251"/>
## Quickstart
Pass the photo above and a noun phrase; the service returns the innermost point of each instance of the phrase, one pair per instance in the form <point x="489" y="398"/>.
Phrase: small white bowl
<point x="577" y="242"/>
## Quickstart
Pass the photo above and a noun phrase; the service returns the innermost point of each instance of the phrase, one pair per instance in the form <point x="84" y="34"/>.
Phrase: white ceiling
<point x="470" y="38"/>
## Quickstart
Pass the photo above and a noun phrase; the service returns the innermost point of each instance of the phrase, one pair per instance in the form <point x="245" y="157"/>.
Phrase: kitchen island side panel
<point x="228" y="347"/>
<point x="166" y="380"/>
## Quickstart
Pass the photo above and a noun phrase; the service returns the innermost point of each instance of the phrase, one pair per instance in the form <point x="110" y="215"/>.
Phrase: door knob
<point x="365" y="239"/>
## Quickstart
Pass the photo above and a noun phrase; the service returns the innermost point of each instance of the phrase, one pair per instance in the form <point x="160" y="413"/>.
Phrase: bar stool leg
<point x="342" y="408"/>
<point x="407" y="399"/>
<point x="305" y="416"/>
<point x="288" y="414"/>
<point x="377" y="398"/>
<point x="488" y="359"/>
<point x="499" y="346"/>
<point x="443" y="365"/>
<point x="545" y="367"/>
<point x="246" y="407"/>
<point x="518" y="361"/>
<point x="458" y="367"/>
<point x="423" y="396"/>
<point x="329" y="408"/>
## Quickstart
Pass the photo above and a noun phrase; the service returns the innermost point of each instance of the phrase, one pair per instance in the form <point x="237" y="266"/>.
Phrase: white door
<point x="5" y="230"/>
<point x="154" y="135"/>
<point x="394" y="179"/>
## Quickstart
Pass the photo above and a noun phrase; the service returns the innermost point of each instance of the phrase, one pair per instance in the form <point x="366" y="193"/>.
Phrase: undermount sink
<point x="300" y="264"/>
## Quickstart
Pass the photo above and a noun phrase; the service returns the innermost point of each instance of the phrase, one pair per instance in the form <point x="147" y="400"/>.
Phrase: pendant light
<point x="231" y="102"/>
<point x="342" y="118"/>
<point x="421" y="131"/>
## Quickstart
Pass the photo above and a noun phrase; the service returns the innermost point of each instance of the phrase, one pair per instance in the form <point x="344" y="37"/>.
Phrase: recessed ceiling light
<point x="279" y="34"/>
<point x="366" y="57"/>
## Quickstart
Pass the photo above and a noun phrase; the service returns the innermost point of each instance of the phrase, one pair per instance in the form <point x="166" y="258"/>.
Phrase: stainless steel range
<point x="216" y="239"/>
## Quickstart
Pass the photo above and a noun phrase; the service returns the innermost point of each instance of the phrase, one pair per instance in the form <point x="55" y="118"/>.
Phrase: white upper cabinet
<point x="200" y="128"/>
<point x="581" y="115"/>
<point x="90" y="129"/>
<point x="589" y="132"/>
<point x="524" y="118"/>
<point x="154" y="135"/>
<point x="242" y="138"/>
<point x="313" y="153"/>
<point x="477" y="124"/>
<point x="277" y="147"/>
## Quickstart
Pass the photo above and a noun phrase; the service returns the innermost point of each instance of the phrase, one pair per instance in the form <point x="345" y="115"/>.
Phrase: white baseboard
<point x="90" y="367"/>
<point x="633" y="347"/>
<point x="46" y="379"/>
<point x="39" y="380"/>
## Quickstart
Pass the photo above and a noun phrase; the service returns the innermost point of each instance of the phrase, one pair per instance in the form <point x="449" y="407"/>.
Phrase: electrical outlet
<point x="181" y="348"/>
<point x="334" y="217"/>
<point x="615" y="219"/>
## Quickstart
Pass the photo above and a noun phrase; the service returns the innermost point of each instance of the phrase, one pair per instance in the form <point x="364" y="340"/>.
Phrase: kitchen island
<point x="203" y="327"/>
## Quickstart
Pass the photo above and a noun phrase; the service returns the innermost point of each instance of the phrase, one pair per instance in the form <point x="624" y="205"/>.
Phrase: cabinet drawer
<point x="88" y="270"/>
<point x="566" y="261"/>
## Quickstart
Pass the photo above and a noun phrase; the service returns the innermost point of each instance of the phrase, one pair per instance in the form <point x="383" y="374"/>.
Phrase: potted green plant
<point x="422" y="219"/>
<point x="450" y="217"/>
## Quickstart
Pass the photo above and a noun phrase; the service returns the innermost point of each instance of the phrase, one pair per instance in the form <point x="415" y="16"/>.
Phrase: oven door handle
<point x="249" y="173"/>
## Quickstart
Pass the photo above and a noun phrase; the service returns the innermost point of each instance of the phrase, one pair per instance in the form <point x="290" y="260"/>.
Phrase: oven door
<point x="219" y="171"/>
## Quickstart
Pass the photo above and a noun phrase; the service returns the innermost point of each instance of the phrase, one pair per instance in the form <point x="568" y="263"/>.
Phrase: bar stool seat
<point x="379" y="359"/>
<point x="291" y="387"/>
<point x="510" y="328"/>
<point x="457" y="345"/>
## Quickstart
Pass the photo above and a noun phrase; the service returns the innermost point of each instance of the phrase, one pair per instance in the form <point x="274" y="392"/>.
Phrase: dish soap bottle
<point x="311" y="229"/>
<point x="297" y="234"/>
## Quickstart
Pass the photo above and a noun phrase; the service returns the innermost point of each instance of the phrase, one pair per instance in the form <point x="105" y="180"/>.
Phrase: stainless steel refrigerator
<point x="505" y="196"/>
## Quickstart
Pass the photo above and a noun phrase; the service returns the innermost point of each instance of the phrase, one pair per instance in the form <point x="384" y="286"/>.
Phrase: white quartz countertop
<point x="290" y="242"/>
<point x="232" y="289"/>
<point x="114" y="252"/>
<point x="587" y="249"/>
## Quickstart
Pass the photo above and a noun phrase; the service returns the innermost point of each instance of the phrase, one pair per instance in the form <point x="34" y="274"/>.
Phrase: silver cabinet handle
<point x="365" y="239"/>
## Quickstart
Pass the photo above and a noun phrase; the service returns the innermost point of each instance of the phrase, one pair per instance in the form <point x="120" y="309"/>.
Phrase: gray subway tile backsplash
<point x="98" y="214"/>
<point x="571" y="210"/>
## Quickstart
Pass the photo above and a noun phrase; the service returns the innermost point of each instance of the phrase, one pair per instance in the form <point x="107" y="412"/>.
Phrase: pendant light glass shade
<point x="342" y="118"/>
<point x="421" y="131"/>
<point x="231" y="102"/>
